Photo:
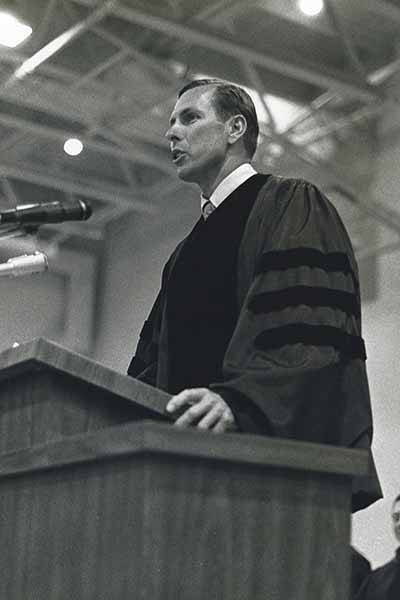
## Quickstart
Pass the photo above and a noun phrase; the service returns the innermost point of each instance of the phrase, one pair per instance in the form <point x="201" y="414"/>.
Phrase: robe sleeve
<point x="144" y="363"/>
<point x="294" y="367"/>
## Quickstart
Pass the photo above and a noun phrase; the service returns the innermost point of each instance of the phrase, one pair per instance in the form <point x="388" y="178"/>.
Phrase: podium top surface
<point x="151" y="438"/>
<point x="41" y="353"/>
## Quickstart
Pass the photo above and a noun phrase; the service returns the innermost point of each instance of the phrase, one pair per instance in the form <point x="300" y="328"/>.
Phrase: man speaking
<point x="257" y="326"/>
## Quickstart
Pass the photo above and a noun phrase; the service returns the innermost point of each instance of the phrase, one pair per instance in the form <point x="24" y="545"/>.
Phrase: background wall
<point x="136" y="250"/>
<point x="372" y="527"/>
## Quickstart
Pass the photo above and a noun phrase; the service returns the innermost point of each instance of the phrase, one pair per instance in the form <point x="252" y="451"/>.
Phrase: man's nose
<point x="172" y="134"/>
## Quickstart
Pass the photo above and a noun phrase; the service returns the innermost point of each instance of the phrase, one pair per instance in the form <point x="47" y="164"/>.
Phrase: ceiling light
<point x="12" y="31"/>
<point x="311" y="8"/>
<point x="73" y="147"/>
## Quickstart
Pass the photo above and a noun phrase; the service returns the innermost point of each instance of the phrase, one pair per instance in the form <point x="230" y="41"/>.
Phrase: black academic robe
<point x="360" y="570"/>
<point x="286" y="320"/>
<point x="383" y="583"/>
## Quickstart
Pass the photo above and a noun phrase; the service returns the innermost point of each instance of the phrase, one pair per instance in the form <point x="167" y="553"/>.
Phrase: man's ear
<point x="237" y="126"/>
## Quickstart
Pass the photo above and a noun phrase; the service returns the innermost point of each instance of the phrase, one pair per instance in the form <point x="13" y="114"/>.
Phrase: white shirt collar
<point x="229" y="184"/>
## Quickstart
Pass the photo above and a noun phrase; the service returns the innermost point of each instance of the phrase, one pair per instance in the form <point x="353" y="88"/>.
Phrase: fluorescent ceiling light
<point x="311" y="8"/>
<point x="12" y="31"/>
<point x="73" y="147"/>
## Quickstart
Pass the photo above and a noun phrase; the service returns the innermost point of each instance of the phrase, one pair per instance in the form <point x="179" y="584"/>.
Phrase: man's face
<point x="198" y="138"/>
<point x="396" y="519"/>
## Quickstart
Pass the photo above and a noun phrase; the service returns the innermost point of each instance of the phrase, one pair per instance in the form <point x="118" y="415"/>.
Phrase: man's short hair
<point x="228" y="100"/>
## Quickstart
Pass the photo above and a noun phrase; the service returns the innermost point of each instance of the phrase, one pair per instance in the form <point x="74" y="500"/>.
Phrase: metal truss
<point x="119" y="105"/>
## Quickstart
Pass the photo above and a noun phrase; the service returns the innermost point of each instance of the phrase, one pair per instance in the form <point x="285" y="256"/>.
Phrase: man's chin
<point x="186" y="174"/>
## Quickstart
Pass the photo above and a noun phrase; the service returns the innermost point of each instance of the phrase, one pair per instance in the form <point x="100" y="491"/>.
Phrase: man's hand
<point x="206" y="410"/>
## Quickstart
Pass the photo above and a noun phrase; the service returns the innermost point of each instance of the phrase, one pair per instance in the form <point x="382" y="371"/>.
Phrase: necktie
<point x="208" y="208"/>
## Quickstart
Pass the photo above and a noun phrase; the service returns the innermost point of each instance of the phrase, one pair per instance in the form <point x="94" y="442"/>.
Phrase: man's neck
<point x="229" y="166"/>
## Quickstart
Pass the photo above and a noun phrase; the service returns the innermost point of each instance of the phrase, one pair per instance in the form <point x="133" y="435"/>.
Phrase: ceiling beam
<point x="135" y="154"/>
<point x="13" y="57"/>
<point x="227" y="7"/>
<point x="55" y="45"/>
<point x="113" y="60"/>
<point x="358" y="116"/>
<point x="339" y="24"/>
<point x="48" y="12"/>
<point x="96" y="190"/>
<point x="124" y="142"/>
<point x="142" y="58"/>
<point x="322" y="76"/>
<point x="98" y="92"/>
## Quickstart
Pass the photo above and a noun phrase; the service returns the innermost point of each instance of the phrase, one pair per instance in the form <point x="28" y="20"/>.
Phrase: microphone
<point x="46" y="212"/>
<point x="24" y="265"/>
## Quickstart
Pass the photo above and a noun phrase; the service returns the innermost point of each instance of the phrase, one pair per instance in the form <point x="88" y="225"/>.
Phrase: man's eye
<point x="190" y="118"/>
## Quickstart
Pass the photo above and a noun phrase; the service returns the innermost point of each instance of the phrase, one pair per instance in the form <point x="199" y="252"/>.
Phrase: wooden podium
<point x="93" y="509"/>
